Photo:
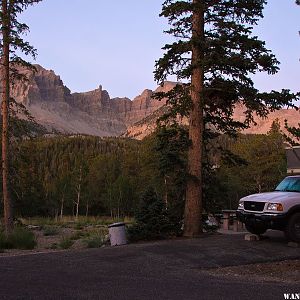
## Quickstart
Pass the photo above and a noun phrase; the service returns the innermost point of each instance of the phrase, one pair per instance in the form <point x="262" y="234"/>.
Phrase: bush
<point x="2" y="241"/>
<point x="77" y="235"/>
<point x="94" y="241"/>
<point x="53" y="246"/>
<point x="65" y="243"/>
<point x="20" y="238"/>
<point x="152" y="219"/>
<point x="79" y="226"/>
<point x="51" y="230"/>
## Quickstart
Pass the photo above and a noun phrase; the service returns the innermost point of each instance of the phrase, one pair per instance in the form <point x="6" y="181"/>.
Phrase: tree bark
<point x="193" y="203"/>
<point x="8" y="213"/>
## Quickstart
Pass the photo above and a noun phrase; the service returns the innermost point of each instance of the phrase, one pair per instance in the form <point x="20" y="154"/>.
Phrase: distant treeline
<point x="54" y="176"/>
<point x="106" y="176"/>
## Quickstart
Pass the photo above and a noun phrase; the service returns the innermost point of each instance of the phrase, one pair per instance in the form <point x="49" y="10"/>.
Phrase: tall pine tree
<point x="11" y="41"/>
<point x="214" y="56"/>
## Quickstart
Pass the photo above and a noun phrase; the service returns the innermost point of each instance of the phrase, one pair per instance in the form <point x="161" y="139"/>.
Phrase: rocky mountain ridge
<point x="146" y="126"/>
<point x="53" y="105"/>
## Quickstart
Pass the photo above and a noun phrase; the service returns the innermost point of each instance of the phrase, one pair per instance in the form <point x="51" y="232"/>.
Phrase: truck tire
<point x="292" y="230"/>
<point x="255" y="229"/>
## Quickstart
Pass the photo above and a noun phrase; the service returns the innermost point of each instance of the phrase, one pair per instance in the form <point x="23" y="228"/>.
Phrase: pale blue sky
<point x="115" y="43"/>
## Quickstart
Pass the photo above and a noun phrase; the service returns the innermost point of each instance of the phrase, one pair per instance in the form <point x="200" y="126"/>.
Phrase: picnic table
<point x="230" y="215"/>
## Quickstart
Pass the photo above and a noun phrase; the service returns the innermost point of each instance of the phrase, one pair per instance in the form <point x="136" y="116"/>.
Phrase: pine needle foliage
<point x="152" y="219"/>
<point x="232" y="54"/>
<point x="214" y="57"/>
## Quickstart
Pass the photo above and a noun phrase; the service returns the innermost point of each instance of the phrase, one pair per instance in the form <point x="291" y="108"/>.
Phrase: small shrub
<point x="152" y="220"/>
<point x="20" y="238"/>
<point x="210" y="228"/>
<point x="94" y="241"/>
<point x="65" y="243"/>
<point x="53" y="246"/>
<point x="77" y="235"/>
<point x="51" y="230"/>
<point x="78" y="226"/>
<point x="2" y="241"/>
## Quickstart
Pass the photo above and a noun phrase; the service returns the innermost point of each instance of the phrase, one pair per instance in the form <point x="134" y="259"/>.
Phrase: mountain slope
<point x="53" y="105"/>
<point x="147" y="125"/>
<point x="94" y="112"/>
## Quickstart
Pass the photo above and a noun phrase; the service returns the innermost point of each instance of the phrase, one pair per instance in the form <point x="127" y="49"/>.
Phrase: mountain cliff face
<point x="146" y="126"/>
<point x="42" y="86"/>
<point x="95" y="113"/>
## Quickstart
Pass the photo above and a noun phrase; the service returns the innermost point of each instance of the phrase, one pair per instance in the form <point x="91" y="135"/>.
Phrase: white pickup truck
<point x="279" y="210"/>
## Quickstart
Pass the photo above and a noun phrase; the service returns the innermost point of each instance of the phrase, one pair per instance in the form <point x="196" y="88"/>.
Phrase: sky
<point x="116" y="43"/>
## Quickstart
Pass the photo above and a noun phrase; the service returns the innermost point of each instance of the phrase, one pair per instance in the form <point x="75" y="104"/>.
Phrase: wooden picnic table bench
<point x="228" y="215"/>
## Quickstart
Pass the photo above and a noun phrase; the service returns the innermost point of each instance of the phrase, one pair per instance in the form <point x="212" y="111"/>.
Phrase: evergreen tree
<point x="152" y="219"/>
<point x="293" y="134"/>
<point x="171" y="144"/>
<point x="11" y="42"/>
<point x="213" y="57"/>
<point x="264" y="164"/>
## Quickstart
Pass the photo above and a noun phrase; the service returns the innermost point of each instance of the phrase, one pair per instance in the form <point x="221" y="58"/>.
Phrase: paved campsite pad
<point x="175" y="269"/>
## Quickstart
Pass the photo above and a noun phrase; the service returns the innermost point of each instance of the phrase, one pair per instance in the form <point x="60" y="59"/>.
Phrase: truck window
<point x="289" y="184"/>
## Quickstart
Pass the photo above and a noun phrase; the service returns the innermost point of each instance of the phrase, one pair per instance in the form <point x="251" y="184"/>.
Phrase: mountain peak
<point x="95" y="113"/>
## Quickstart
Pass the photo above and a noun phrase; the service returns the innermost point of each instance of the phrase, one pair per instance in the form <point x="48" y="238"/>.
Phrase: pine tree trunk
<point x="8" y="214"/>
<point x="193" y="203"/>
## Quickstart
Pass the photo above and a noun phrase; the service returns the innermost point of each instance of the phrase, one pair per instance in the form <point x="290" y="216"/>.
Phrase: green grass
<point x="69" y="221"/>
<point x="20" y="238"/>
<point x="91" y="231"/>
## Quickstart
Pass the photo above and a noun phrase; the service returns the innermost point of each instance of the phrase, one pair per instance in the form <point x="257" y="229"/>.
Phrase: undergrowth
<point x="20" y="238"/>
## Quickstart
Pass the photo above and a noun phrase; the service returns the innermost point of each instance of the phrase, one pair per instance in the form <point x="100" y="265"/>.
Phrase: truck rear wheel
<point x="292" y="230"/>
<point x="256" y="229"/>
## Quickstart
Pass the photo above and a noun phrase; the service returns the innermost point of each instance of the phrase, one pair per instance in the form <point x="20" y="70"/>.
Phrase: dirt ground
<point x="282" y="271"/>
<point x="56" y="238"/>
